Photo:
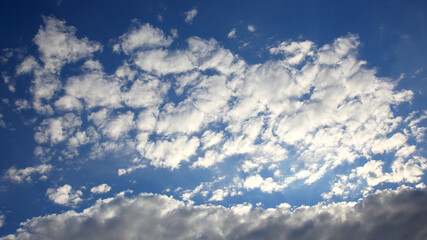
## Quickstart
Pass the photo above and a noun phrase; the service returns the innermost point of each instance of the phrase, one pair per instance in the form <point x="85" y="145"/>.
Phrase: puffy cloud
<point x="164" y="62"/>
<point x="143" y="37"/>
<point x="58" y="44"/>
<point x="190" y="15"/>
<point x="120" y="125"/>
<point x="170" y="153"/>
<point x="55" y="130"/>
<point x="103" y="188"/>
<point x="218" y="195"/>
<point x="384" y="215"/>
<point x="24" y="175"/>
<point x="295" y="51"/>
<point x="65" y="195"/>
<point x="94" y="89"/>
<point x="295" y="117"/>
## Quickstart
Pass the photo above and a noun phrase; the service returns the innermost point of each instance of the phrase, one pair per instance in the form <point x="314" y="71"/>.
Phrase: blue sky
<point x="284" y="112"/>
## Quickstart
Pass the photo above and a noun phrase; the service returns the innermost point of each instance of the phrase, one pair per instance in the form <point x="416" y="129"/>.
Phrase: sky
<point x="213" y="119"/>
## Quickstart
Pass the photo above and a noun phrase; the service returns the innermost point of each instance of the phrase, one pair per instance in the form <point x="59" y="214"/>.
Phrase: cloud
<point x="170" y="153"/>
<point x="190" y="15"/>
<point x="251" y="28"/>
<point x="384" y="215"/>
<point x="65" y="195"/>
<point x="142" y="37"/>
<point x="232" y="33"/>
<point x="294" y="118"/>
<point x="103" y="188"/>
<point x="55" y="130"/>
<point x="2" y="122"/>
<point x="58" y="44"/>
<point x="24" y="175"/>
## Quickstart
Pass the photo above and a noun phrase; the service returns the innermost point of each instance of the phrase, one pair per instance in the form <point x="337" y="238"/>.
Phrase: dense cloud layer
<point x="386" y="214"/>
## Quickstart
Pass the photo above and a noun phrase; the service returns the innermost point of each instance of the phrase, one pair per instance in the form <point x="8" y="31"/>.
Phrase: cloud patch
<point x="103" y="188"/>
<point x="190" y="15"/>
<point x="65" y="195"/>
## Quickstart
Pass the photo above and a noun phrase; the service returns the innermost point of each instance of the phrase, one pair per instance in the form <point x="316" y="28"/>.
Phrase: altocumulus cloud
<point x="320" y="102"/>
<point x="289" y="121"/>
<point x="386" y="214"/>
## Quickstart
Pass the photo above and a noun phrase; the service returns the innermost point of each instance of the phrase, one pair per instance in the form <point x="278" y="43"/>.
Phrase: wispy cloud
<point x="251" y="28"/>
<point x="190" y="15"/>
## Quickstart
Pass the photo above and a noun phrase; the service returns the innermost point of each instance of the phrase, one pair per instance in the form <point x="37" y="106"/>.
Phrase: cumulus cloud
<point x="190" y="15"/>
<point x="58" y="44"/>
<point x="65" y="195"/>
<point x="103" y="188"/>
<point x="144" y="36"/>
<point x="24" y="175"/>
<point x="384" y="215"/>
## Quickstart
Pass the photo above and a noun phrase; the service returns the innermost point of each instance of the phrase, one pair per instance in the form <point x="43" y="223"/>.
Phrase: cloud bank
<point x="386" y="214"/>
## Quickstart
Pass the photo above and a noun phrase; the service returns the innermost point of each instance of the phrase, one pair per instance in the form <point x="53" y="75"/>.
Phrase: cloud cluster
<point x="65" y="195"/>
<point x="289" y="120"/>
<point x="384" y="215"/>
<point x="24" y="175"/>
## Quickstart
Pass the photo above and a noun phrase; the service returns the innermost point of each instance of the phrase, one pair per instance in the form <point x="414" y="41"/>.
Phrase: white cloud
<point x="251" y="28"/>
<point x="164" y="62"/>
<point x="190" y="15"/>
<point x="170" y="153"/>
<point x="24" y="175"/>
<point x="2" y="220"/>
<point x="27" y="66"/>
<point x="209" y="159"/>
<point x="65" y="195"/>
<point x="58" y="44"/>
<point x="119" y="126"/>
<point x="218" y="195"/>
<point x="22" y="104"/>
<point x="296" y="52"/>
<point x="94" y="89"/>
<point x="400" y="212"/>
<point x="232" y="33"/>
<point x="123" y="171"/>
<point x="103" y="188"/>
<point x="55" y="130"/>
<point x="143" y="37"/>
